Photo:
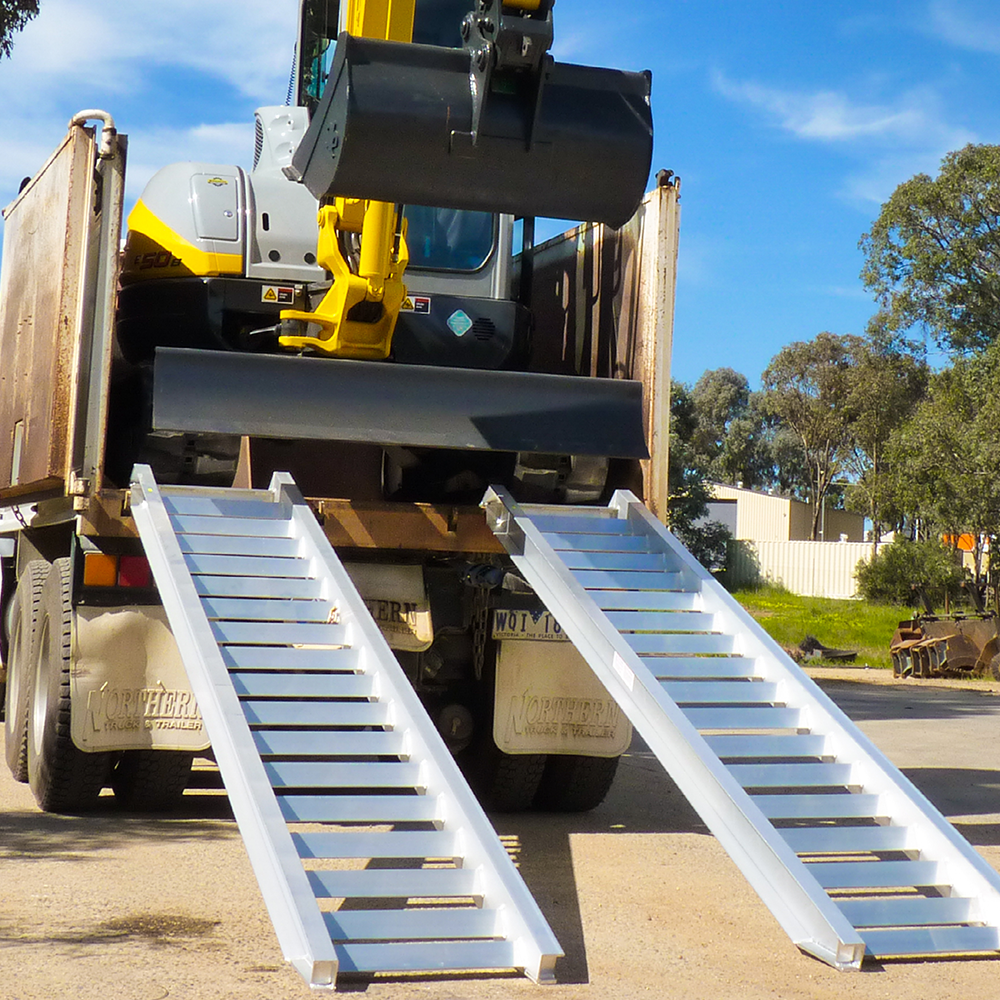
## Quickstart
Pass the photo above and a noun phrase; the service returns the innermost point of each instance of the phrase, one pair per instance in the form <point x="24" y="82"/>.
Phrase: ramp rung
<point x="791" y="775"/>
<point x="397" y="883"/>
<point x="785" y="745"/>
<point x="332" y="808"/>
<point x="352" y="743"/>
<point x="279" y="633"/>
<point x="233" y="509"/>
<point x="630" y="562"/>
<point x="453" y="957"/>
<point x="434" y="844"/>
<point x="722" y="692"/>
<point x="221" y="585"/>
<point x="907" y="911"/>
<point x="744" y="718"/>
<point x="259" y="566"/>
<point x="245" y="527"/>
<point x="660" y="621"/>
<point x="311" y="713"/>
<point x="701" y="667"/>
<point x="563" y="524"/>
<point x="412" y="925"/>
<point x="679" y="642"/>
<point x="842" y="806"/>
<point x="931" y="941"/>
<point x="846" y="839"/>
<point x="238" y="545"/>
<point x="599" y="579"/>
<point x="645" y="600"/>
<point x="873" y="874"/>
<point x="312" y="685"/>
<point x="262" y="609"/>
<point x="277" y="659"/>
<point x="332" y="774"/>
<point x="603" y="542"/>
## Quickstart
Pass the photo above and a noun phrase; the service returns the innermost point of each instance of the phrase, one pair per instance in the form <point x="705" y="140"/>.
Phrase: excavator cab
<point x="483" y="121"/>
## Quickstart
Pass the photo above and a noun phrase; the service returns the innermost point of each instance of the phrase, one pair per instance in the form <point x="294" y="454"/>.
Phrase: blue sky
<point x="788" y="123"/>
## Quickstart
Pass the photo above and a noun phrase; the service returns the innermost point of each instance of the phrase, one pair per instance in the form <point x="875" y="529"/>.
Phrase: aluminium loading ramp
<point x="850" y="858"/>
<point x="342" y="787"/>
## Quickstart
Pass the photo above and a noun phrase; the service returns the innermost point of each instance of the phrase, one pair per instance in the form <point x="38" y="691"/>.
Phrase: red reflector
<point x="134" y="571"/>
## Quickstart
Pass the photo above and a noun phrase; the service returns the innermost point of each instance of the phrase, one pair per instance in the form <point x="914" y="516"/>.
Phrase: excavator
<point x="418" y="133"/>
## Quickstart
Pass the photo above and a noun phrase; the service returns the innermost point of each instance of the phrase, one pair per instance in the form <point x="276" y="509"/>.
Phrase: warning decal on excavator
<point x="416" y="304"/>
<point x="278" y="294"/>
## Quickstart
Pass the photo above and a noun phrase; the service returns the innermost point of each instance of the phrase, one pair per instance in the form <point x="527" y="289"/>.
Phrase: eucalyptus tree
<point x="932" y="257"/>
<point x="805" y="388"/>
<point x="14" y="15"/>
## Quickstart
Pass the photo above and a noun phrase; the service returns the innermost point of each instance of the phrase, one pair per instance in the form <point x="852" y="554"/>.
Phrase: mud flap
<point x="398" y="122"/>
<point x="275" y="396"/>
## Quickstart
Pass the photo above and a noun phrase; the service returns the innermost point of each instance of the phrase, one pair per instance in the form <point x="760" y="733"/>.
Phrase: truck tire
<point x="62" y="777"/>
<point x="503" y="782"/>
<point x="151" y="780"/>
<point x="575" y="783"/>
<point x="20" y="662"/>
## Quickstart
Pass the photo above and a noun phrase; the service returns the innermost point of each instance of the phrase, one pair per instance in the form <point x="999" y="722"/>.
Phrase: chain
<point x="480" y="629"/>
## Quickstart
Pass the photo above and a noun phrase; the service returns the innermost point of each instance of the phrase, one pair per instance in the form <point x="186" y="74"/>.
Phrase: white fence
<point x="810" y="569"/>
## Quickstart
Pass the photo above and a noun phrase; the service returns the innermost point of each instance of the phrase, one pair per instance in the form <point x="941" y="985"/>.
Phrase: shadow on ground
<point x="905" y="702"/>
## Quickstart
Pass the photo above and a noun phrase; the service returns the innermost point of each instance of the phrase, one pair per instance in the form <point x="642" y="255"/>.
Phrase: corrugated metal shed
<point x="761" y="517"/>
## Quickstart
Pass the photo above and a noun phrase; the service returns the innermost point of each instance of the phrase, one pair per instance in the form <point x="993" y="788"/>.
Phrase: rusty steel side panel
<point x="41" y="298"/>
<point x="603" y="301"/>
<point x="406" y="526"/>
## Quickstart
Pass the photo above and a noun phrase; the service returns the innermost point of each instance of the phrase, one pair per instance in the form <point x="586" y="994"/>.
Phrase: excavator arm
<point x="357" y="316"/>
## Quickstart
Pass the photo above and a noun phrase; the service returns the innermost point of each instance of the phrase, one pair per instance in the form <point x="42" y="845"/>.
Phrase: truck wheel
<point x="151" y="780"/>
<point x="20" y="662"/>
<point x="575" y="783"/>
<point x="62" y="777"/>
<point x="503" y="782"/>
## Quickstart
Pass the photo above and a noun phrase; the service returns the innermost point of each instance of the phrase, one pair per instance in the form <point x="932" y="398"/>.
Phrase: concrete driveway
<point x="642" y="898"/>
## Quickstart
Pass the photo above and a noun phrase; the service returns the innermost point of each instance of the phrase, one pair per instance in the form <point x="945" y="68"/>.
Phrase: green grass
<point x="839" y="624"/>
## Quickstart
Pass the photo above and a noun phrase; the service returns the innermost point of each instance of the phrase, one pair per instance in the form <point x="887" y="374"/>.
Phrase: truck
<point x="375" y="520"/>
<point x="212" y="254"/>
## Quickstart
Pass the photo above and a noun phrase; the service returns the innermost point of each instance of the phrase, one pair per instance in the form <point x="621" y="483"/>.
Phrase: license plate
<point x="537" y="625"/>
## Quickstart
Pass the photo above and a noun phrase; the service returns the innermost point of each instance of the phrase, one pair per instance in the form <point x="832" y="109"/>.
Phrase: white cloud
<point x="76" y="44"/>
<point x="831" y="116"/>
<point x="149" y="65"/>
<point x="888" y="142"/>
<point x="973" y="26"/>
<point x="152" y="148"/>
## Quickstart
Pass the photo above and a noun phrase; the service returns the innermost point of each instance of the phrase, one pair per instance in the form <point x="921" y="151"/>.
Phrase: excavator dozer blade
<point x="396" y="124"/>
<point x="266" y="395"/>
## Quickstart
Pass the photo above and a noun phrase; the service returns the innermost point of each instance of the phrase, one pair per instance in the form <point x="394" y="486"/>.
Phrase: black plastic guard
<point x="395" y="124"/>
<point x="274" y="396"/>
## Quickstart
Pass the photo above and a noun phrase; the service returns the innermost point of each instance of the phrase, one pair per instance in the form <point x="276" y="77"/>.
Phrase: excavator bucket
<point x="411" y="123"/>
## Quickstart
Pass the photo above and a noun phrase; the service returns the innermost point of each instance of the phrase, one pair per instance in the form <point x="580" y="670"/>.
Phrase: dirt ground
<point x="642" y="898"/>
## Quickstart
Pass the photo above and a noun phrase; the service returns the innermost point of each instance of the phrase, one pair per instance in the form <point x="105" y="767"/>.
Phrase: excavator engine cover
<point x="402" y="123"/>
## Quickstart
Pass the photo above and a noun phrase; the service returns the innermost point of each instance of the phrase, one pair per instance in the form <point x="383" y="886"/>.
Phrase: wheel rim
<point x="13" y="694"/>
<point x="40" y="701"/>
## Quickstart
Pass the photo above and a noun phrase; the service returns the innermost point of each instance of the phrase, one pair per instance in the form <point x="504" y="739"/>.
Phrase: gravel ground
<point x="643" y="899"/>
